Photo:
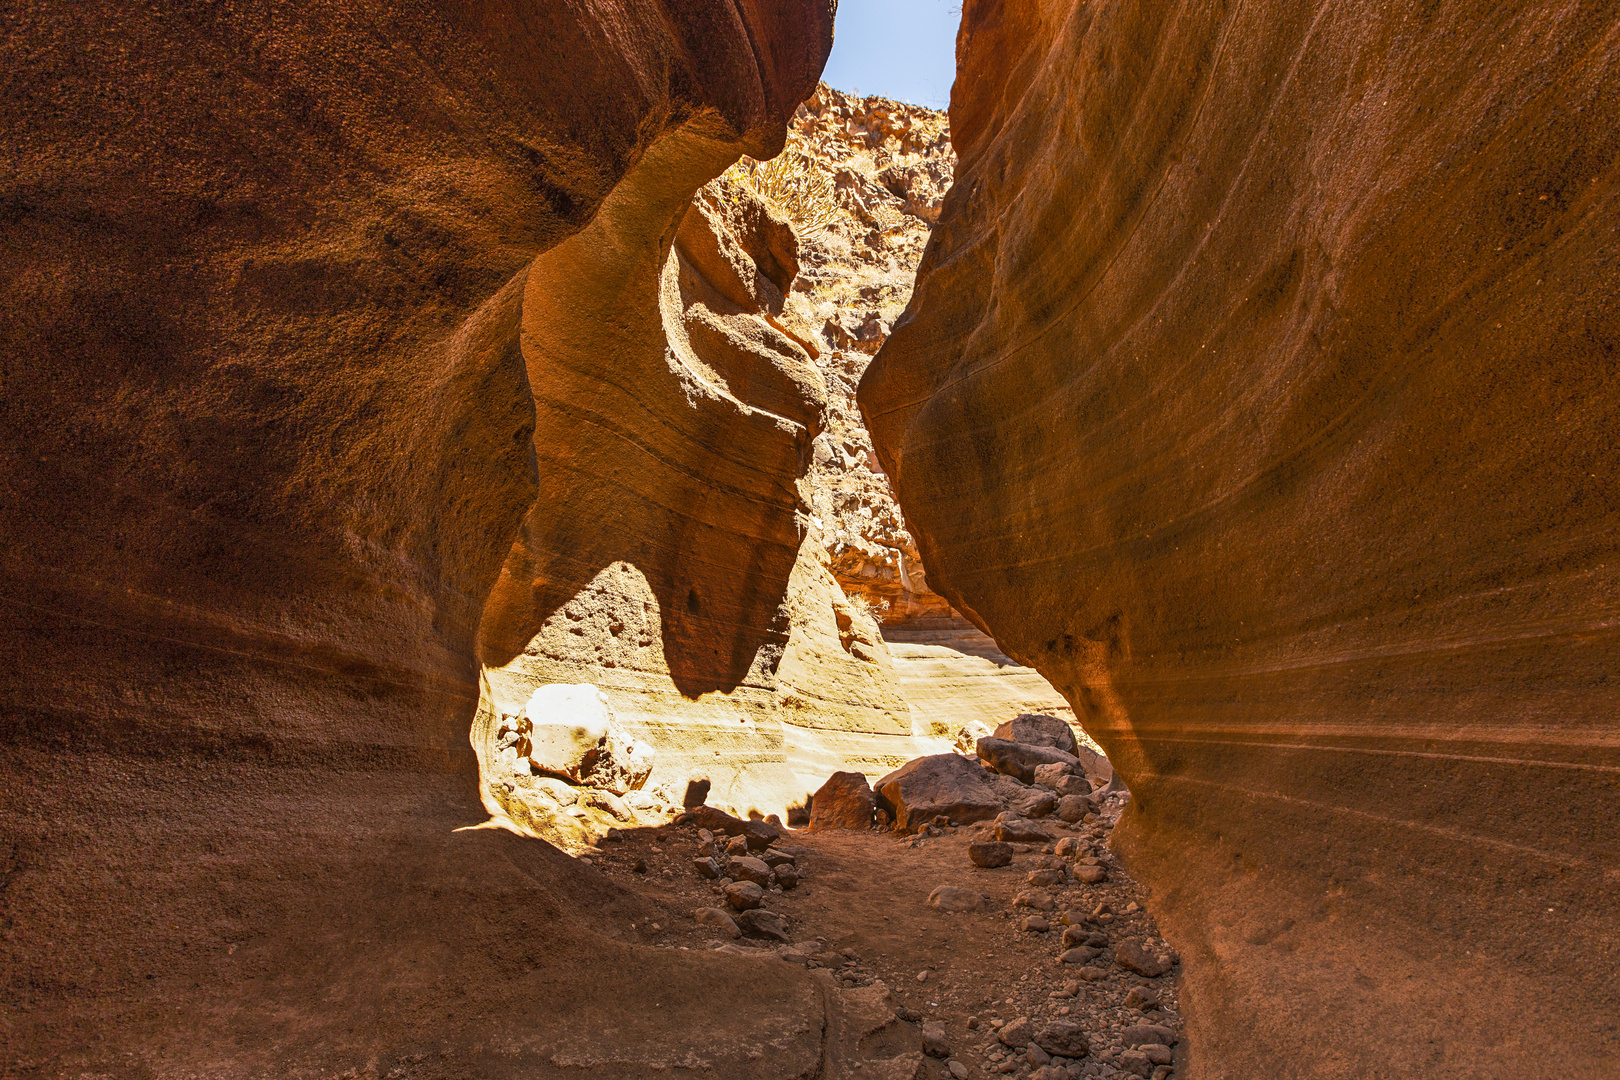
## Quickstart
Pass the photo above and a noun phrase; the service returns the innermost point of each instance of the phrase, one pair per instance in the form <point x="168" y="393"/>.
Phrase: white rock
<point x="572" y="734"/>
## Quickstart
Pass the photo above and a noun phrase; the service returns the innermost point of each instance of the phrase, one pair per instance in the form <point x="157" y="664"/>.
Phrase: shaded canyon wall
<point x="1259" y="389"/>
<point x="268" y="337"/>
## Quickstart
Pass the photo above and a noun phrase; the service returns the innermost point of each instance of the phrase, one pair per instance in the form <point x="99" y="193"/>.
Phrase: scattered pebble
<point x="1074" y="972"/>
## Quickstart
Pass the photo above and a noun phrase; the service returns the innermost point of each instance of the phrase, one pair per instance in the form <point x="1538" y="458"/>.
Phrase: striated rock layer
<point x="713" y="547"/>
<point x="272" y="312"/>
<point x="1259" y="390"/>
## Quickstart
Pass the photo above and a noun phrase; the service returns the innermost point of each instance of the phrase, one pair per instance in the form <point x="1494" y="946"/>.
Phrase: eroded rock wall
<point x="269" y="320"/>
<point x="888" y="165"/>
<point x="1258" y="390"/>
<point x="713" y="545"/>
<point x="672" y="423"/>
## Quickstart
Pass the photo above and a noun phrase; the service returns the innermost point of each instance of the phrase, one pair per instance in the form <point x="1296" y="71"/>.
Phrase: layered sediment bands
<point x="1258" y="389"/>
<point x="267" y="439"/>
<point x="957" y="675"/>
<point x="672" y="423"/>
<point x="706" y="494"/>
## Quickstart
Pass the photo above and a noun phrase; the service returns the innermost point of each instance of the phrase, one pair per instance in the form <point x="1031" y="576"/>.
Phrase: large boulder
<point x="1022" y="759"/>
<point x="568" y="731"/>
<point x="1017" y="1033"/>
<point x="1053" y="774"/>
<point x="1039" y="729"/>
<point x="1016" y="830"/>
<point x="1009" y="789"/>
<point x="990" y="853"/>
<point x="744" y="895"/>
<point x="940" y="784"/>
<point x="748" y="868"/>
<point x="1073" y="808"/>
<point x="845" y="801"/>
<point x="1098" y="769"/>
<point x="1034" y="803"/>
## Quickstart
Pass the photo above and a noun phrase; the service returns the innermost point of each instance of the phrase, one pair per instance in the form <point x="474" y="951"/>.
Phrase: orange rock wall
<point x="1259" y="389"/>
<point x="266" y="438"/>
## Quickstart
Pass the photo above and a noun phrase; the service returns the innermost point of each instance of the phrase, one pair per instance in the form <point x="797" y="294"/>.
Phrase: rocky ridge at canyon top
<point x="790" y="274"/>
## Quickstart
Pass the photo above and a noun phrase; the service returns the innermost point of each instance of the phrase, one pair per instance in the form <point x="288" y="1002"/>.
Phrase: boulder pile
<point x="736" y="854"/>
<point x="1109" y="1014"/>
<point x="845" y="801"/>
<point x="1033" y="767"/>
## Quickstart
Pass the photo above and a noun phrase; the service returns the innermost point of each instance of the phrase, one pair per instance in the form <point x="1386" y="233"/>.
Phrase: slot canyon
<point x="544" y="540"/>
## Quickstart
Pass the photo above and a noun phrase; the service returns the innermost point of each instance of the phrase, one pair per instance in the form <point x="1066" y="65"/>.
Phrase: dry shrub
<point x="795" y="184"/>
<point x="859" y="604"/>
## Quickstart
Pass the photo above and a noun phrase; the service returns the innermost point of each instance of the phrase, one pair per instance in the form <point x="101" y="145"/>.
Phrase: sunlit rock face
<point x="667" y="559"/>
<point x="1259" y="389"/>
<point x="266" y="440"/>
<point x="706" y="548"/>
<point x="672" y="421"/>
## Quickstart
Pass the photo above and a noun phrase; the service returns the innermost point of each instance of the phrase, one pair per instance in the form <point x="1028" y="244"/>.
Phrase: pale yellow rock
<point x="570" y="730"/>
<point x="716" y="553"/>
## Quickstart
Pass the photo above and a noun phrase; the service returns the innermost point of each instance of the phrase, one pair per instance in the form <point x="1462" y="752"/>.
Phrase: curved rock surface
<point x="711" y="547"/>
<point x="1258" y="390"/>
<point x="274" y="280"/>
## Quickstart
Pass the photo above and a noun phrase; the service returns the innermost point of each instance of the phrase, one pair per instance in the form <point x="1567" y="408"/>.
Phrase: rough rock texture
<point x="1258" y="390"/>
<point x="1074" y="807"/>
<point x="1038" y="730"/>
<point x="956" y="675"/>
<point x="990" y="853"/>
<point x="956" y="898"/>
<point x="889" y="164"/>
<point x="706" y="484"/>
<point x="845" y="801"/>
<point x="672" y="419"/>
<point x="856" y="281"/>
<point x="1021" y="759"/>
<point x="941" y="784"/>
<point x="758" y="835"/>
<point x="569" y="732"/>
<point x="273" y="282"/>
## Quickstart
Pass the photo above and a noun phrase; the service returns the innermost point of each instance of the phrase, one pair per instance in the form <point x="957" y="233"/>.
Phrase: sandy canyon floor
<point x="862" y="911"/>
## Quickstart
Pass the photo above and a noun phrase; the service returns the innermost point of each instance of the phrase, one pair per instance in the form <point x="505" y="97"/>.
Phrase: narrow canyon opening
<point x="716" y="585"/>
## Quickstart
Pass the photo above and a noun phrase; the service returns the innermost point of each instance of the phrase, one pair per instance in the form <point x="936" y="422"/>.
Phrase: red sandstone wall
<point x="1260" y="389"/>
<point x="265" y="441"/>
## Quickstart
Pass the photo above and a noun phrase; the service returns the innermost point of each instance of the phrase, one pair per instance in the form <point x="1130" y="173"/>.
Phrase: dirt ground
<point x="862" y="909"/>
